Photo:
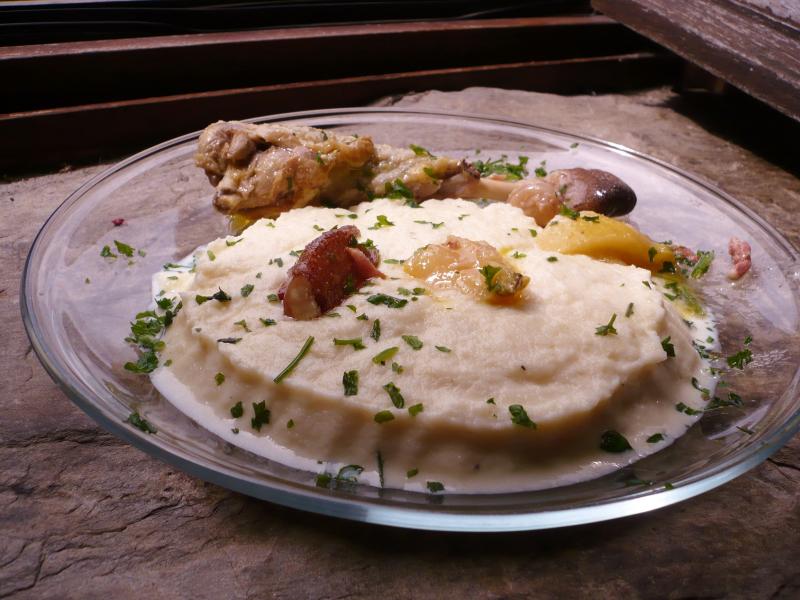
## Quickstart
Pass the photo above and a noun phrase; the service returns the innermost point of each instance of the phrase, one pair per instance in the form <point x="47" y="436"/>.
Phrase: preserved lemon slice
<point x="602" y="237"/>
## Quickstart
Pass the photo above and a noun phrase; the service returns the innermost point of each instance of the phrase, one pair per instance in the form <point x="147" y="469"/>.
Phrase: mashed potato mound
<point x="490" y="397"/>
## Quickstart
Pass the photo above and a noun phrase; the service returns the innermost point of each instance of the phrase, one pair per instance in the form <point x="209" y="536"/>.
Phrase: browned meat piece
<point x="331" y="268"/>
<point x="740" y="257"/>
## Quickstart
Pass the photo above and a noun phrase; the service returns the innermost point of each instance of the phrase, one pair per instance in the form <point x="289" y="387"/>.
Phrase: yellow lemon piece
<point x="605" y="238"/>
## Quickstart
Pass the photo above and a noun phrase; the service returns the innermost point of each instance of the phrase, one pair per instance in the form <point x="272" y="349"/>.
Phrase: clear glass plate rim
<point x="369" y="511"/>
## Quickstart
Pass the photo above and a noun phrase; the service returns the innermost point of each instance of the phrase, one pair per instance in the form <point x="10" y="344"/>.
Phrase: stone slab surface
<point x="84" y="515"/>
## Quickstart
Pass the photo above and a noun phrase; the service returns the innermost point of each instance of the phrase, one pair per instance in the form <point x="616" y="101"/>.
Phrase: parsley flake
<point x="520" y="417"/>
<point x="669" y="347"/>
<point x="268" y="322"/>
<point x="237" y="410"/>
<point x="261" y="415"/>
<point x="383" y="416"/>
<point x="434" y="486"/>
<point x="741" y="359"/>
<point x="246" y="290"/>
<point x="375" y="333"/>
<point x="382" y="357"/>
<point x="219" y="378"/>
<point x="615" y="442"/>
<point x="395" y="395"/>
<point x="412" y="341"/>
<point x="350" y="383"/>
<point x="123" y="248"/>
<point x="295" y="361"/>
<point x="389" y="301"/>
<point x="415" y="409"/>
<point x="443" y="349"/>
<point x="655" y="438"/>
<point x="356" y="343"/>
<point x="629" y="310"/>
<point x="607" y="329"/>
<point x="139" y="422"/>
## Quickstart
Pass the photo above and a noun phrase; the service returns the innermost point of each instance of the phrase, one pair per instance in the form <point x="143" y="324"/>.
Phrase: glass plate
<point x="77" y="305"/>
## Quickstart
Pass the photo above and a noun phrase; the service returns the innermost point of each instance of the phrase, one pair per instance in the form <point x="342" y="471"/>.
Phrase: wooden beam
<point x="740" y="41"/>
<point x="90" y="133"/>
<point x="71" y="74"/>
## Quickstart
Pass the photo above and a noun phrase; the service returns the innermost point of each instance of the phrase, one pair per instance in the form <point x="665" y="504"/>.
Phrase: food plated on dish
<point x="414" y="321"/>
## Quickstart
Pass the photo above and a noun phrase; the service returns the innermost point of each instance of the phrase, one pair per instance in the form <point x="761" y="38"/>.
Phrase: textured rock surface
<point x="83" y="515"/>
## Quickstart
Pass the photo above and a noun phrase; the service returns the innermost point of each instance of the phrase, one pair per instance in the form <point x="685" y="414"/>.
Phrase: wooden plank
<point x="743" y="42"/>
<point x="93" y="132"/>
<point x="53" y="75"/>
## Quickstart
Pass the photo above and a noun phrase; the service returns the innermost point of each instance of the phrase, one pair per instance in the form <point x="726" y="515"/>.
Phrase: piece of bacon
<point x="331" y="268"/>
<point x="685" y="253"/>
<point x="740" y="257"/>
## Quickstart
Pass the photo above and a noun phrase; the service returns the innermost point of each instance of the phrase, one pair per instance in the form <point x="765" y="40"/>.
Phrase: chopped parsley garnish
<point x="397" y="189"/>
<point x="614" y="441"/>
<point x="566" y="211"/>
<point x="501" y="166"/>
<point x="273" y="298"/>
<point x="607" y="329"/>
<point x="667" y="267"/>
<point x="262" y="414"/>
<point x="362" y="317"/>
<point x="375" y="334"/>
<point x="395" y="395"/>
<point x="412" y="473"/>
<point x="655" y="438"/>
<point x="123" y="248"/>
<point x="382" y="357"/>
<point x="229" y="340"/>
<point x="573" y="145"/>
<point x="350" y="383"/>
<point x="393" y="261"/>
<point x="696" y="385"/>
<point x="552" y="258"/>
<point x="443" y="349"/>
<point x="219" y="296"/>
<point x="352" y="307"/>
<point x="318" y="228"/>
<point x="396" y="368"/>
<point x="688" y="410"/>
<point x="332" y="314"/>
<point x="518" y="254"/>
<point x="139" y="422"/>
<point x="219" y="378"/>
<point x="748" y="340"/>
<point x="733" y="400"/>
<point x="147" y="363"/>
<point x="383" y="416"/>
<point x="420" y="151"/>
<point x="268" y="322"/>
<point x="211" y="255"/>
<point x="412" y="341"/>
<point x="289" y="423"/>
<point x="704" y="260"/>
<point x="533" y="232"/>
<point x="540" y="170"/>
<point x="629" y="310"/>
<point x="489" y="272"/>
<point x="381" y="221"/>
<point x="594" y="219"/>
<point x="431" y="223"/>
<point x="237" y="410"/>
<point x="106" y="252"/>
<point x="403" y="291"/>
<point x="415" y="409"/>
<point x="491" y="401"/>
<point x="356" y="343"/>
<point x="296" y="360"/>
<point x="318" y="158"/>
<point x="741" y="359"/>
<point x="243" y="325"/>
<point x="230" y="243"/>
<point x="668" y="346"/>
<point x="434" y="486"/>
<point x="246" y="290"/>
<point x="389" y="301"/>
<point x="276" y="261"/>
<point x="651" y="253"/>
<point x="520" y="417"/>
<point x="379" y="460"/>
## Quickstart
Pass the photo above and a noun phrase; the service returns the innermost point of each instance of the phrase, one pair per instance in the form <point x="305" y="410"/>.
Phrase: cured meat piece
<point x="332" y="267"/>
<point x="740" y="257"/>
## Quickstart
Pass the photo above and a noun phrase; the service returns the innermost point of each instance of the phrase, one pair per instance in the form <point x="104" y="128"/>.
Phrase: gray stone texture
<point x="84" y="515"/>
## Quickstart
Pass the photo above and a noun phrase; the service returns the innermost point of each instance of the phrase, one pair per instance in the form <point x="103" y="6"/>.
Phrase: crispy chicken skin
<point x="275" y="167"/>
